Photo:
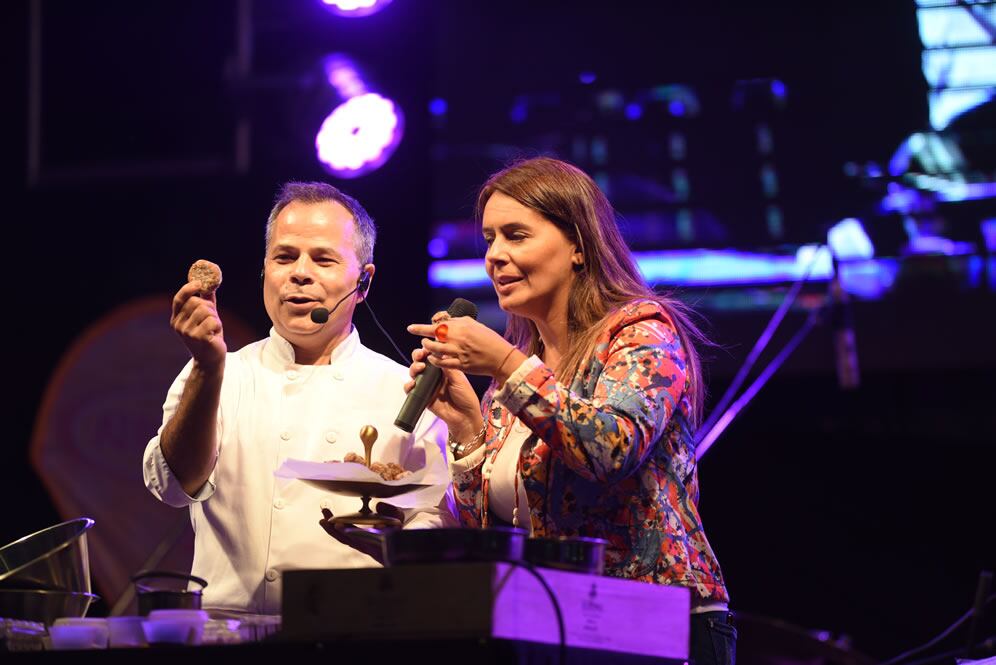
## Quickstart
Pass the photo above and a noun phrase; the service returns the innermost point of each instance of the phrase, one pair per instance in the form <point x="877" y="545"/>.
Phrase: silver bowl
<point x="576" y="554"/>
<point x="43" y="606"/>
<point x="405" y="546"/>
<point x="167" y="590"/>
<point x="53" y="559"/>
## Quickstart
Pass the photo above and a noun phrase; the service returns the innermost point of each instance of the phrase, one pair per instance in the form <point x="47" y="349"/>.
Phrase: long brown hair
<point x="608" y="279"/>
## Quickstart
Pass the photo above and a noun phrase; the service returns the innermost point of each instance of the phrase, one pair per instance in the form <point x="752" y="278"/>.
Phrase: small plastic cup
<point x="125" y="632"/>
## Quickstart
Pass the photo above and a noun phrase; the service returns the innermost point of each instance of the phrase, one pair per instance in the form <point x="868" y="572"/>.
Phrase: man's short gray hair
<point x="320" y="192"/>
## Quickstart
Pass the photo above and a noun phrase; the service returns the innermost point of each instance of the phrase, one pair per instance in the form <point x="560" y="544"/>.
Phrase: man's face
<point x="311" y="262"/>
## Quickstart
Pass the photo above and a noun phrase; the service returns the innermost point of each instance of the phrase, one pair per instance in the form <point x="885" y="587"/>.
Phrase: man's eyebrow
<point x="326" y="249"/>
<point x="321" y="250"/>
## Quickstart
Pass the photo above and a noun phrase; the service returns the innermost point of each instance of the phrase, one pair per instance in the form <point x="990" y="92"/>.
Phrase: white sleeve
<point x="159" y="478"/>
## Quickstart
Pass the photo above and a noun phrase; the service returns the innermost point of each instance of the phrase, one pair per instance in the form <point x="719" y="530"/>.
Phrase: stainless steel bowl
<point x="404" y="546"/>
<point x="580" y="555"/>
<point x="167" y="590"/>
<point x="43" y="606"/>
<point x="53" y="559"/>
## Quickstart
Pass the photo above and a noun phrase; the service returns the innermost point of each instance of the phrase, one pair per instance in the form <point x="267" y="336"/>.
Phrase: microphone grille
<point x="319" y="315"/>
<point x="462" y="307"/>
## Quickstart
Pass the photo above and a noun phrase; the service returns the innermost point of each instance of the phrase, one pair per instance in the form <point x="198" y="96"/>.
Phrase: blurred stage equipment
<point x="844" y="343"/>
<point x="766" y="641"/>
<point x="979" y="648"/>
<point x="982" y="598"/>
<point x="835" y="310"/>
<point x="959" y="57"/>
<point x="363" y="131"/>
<point x="99" y="411"/>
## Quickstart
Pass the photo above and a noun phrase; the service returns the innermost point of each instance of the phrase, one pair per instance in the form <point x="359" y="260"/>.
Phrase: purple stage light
<point x="438" y="248"/>
<point x="363" y="131"/>
<point x="587" y="78"/>
<point x="694" y="267"/>
<point x="519" y="111"/>
<point x="359" y="135"/>
<point x="988" y="227"/>
<point x="355" y="8"/>
<point x="343" y="75"/>
<point x="634" y="111"/>
<point x="438" y="106"/>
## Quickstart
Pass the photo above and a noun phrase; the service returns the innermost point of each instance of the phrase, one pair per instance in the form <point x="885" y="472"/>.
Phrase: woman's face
<point x="530" y="260"/>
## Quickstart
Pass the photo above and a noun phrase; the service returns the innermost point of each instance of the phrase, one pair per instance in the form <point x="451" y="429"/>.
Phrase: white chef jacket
<point x="250" y="525"/>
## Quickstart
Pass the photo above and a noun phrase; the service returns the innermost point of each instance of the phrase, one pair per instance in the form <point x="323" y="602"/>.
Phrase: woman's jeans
<point x="713" y="639"/>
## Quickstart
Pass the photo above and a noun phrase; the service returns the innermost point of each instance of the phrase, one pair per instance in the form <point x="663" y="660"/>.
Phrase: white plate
<point x="339" y="471"/>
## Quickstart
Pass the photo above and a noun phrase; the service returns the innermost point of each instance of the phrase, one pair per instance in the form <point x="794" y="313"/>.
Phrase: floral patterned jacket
<point x="611" y="456"/>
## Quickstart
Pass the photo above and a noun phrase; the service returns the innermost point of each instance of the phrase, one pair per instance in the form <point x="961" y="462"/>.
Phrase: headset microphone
<point x="321" y="315"/>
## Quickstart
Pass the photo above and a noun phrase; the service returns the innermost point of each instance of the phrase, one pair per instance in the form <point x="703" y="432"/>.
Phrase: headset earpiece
<point x="363" y="283"/>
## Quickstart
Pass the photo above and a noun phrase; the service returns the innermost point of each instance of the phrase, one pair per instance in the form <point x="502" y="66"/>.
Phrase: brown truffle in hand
<point x="207" y="273"/>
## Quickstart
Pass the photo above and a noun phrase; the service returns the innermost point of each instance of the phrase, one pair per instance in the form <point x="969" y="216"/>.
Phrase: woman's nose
<point x="496" y="253"/>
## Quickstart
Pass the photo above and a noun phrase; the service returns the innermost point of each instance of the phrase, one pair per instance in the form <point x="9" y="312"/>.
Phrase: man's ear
<point x="363" y="283"/>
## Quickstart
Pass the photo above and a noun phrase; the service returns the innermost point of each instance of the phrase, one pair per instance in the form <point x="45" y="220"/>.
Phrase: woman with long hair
<point x="588" y="426"/>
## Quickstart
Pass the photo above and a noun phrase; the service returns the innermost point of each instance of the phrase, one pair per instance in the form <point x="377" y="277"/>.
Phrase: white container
<point x="78" y="633"/>
<point x="175" y="626"/>
<point x="179" y="615"/>
<point x="124" y="632"/>
<point x="222" y="631"/>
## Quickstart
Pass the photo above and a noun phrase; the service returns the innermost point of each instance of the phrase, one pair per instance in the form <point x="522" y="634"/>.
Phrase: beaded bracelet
<point x="460" y="449"/>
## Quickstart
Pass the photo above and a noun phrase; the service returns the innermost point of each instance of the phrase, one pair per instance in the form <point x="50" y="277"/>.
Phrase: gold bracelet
<point x="507" y="356"/>
<point x="461" y="449"/>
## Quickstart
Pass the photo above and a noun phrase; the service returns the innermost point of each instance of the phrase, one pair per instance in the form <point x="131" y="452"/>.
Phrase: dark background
<point x="867" y="513"/>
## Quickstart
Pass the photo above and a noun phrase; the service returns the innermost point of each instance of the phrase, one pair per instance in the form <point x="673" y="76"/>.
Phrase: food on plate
<point x="386" y="470"/>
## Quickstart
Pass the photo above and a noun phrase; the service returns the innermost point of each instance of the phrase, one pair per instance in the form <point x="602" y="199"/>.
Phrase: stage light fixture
<point x="363" y="131"/>
<point x="355" y="8"/>
<point x="848" y="240"/>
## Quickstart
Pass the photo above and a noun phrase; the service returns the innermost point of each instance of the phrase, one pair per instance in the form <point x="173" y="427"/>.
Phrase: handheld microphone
<point x="427" y="382"/>
<point x="844" y="342"/>
<point x="321" y="315"/>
